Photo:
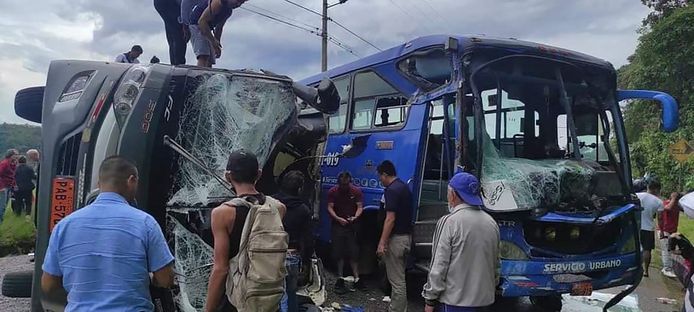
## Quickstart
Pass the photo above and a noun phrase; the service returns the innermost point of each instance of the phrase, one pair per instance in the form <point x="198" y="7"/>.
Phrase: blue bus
<point x="540" y="126"/>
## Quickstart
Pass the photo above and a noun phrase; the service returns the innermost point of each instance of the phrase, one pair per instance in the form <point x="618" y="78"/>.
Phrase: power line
<point x="315" y="32"/>
<point x="445" y="19"/>
<point x="282" y="21"/>
<point x="282" y="16"/>
<point x="343" y="46"/>
<point x="303" y="7"/>
<point x="351" y="32"/>
<point x="408" y="14"/>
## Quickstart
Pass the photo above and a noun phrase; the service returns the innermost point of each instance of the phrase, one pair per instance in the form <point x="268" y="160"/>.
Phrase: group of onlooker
<point x="18" y="175"/>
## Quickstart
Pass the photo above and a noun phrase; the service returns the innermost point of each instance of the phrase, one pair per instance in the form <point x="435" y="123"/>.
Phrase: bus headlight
<point x="575" y="233"/>
<point x="629" y="246"/>
<point x="511" y="251"/>
<point x="550" y="234"/>
<point x="128" y="91"/>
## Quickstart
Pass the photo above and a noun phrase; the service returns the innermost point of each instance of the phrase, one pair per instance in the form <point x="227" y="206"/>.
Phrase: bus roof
<point x="465" y="43"/>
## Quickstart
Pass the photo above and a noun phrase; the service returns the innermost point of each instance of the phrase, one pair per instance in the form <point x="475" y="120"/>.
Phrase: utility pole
<point x="324" y="37"/>
<point x="324" y="33"/>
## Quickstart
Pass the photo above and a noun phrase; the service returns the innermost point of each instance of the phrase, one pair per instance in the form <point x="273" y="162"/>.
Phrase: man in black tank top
<point x="227" y="224"/>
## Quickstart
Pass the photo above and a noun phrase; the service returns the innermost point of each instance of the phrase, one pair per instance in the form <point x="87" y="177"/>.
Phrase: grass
<point x="686" y="226"/>
<point x="17" y="233"/>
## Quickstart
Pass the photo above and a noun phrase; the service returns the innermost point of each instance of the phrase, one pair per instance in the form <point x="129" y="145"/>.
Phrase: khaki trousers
<point x="395" y="260"/>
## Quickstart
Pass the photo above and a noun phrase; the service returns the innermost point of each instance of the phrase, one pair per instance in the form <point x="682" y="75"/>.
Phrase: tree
<point x="20" y="137"/>
<point x="664" y="60"/>
<point x="662" y="9"/>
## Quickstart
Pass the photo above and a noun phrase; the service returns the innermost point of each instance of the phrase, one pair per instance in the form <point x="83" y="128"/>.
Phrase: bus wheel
<point x="17" y="284"/>
<point x="28" y="103"/>
<point x="550" y="303"/>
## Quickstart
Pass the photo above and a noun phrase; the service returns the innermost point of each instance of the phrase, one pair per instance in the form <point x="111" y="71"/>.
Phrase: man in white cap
<point x="465" y="254"/>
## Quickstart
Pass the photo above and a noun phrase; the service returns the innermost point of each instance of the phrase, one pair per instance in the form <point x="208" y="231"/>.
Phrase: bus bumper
<point x="543" y="278"/>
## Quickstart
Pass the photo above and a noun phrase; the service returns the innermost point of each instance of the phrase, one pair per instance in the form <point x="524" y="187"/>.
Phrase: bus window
<point x="376" y="103"/>
<point x="590" y="130"/>
<point x="363" y="114"/>
<point x="337" y="121"/>
<point x="390" y="111"/>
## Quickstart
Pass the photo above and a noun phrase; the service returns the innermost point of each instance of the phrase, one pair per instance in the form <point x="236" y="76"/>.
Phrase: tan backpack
<point x="256" y="275"/>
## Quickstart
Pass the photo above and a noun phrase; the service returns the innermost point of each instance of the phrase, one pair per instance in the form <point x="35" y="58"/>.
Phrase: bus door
<point x="437" y="168"/>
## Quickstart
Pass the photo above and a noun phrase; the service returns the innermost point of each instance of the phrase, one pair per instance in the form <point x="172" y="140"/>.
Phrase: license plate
<point x="582" y="289"/>
<point x="62" y="199"/>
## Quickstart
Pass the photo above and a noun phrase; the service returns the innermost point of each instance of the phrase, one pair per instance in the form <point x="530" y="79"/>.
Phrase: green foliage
<point x="664" y="61"/>
<point x="662" y="9"/>
<point x="21" y="137"/>
<point x="17" y="233"/>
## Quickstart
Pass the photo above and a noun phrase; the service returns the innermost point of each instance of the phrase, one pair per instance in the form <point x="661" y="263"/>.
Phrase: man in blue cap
<point x="465" y="254"/>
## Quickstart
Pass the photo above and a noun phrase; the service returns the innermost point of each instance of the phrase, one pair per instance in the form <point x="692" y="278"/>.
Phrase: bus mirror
<point x="325" y="98"/>
<point x="670" y="113"/>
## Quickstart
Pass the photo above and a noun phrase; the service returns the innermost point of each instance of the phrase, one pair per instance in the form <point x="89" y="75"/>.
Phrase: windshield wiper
<point x="168" y="141"/>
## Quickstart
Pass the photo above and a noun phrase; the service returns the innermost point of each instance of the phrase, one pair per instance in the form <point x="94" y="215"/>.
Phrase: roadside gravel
<point x="14" y="264"/>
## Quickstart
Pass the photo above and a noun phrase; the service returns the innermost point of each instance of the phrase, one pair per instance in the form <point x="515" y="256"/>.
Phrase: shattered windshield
<point x="545" y="136"/>
<point x="222" y="113"/>
<point x="225" y="113"/>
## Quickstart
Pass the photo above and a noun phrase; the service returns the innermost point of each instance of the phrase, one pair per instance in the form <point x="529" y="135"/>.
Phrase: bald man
<point x="103" y="254"/>
<point x="33" y="158"/>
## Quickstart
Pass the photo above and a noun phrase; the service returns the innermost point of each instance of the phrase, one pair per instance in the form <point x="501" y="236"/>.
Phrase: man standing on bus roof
<point x="465" y="254"/>
<point x="345" y="206"/>
<point x="107" y="254"/>
<point x="205" y="20"/>
<point x="652" y="206"/>
<point x="7" y="170"/>
<point x="394" y="245"/>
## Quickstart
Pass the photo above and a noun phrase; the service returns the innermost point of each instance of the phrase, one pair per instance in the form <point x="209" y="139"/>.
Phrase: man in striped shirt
<point x="465" y="255"/>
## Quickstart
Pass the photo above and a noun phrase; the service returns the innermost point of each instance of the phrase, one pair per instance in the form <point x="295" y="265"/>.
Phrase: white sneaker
<point x="668" y="272"/>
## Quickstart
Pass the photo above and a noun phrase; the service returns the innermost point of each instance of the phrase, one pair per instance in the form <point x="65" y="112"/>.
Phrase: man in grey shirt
<point x="465" y="254"/>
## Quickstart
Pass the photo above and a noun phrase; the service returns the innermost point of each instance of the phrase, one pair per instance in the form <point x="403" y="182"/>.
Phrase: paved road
<point x="644" y="297"/>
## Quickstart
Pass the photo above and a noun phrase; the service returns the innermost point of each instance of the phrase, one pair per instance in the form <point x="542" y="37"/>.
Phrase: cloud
<point x="32" y="36"/>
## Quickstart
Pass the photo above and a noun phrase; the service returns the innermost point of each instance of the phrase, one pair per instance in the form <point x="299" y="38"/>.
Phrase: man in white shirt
<point x="131" y="56"/>
<point x="652" y="206"/>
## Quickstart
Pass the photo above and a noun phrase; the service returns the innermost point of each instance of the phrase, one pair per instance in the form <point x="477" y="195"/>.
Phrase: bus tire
<point x="551" y="303"/>
<point x="28" y="103"/>
<point x="17" y="284"/>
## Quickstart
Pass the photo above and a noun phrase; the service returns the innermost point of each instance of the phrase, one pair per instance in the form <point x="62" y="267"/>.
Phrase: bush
<point x="17" y="234"/>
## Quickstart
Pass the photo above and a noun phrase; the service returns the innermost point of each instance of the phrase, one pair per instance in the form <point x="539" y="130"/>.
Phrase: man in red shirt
<point x="667" y="223"/>
<point x="345" y="205"/>
<point x="7" y="168"/>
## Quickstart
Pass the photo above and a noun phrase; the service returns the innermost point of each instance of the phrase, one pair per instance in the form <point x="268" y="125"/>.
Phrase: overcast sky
<point x="33" y="35"/>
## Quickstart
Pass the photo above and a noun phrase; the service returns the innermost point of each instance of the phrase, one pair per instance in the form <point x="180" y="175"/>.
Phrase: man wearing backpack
<point x="251" y="219"/>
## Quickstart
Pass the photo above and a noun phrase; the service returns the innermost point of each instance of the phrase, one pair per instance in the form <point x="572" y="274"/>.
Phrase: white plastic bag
<point x="687" y="203"/>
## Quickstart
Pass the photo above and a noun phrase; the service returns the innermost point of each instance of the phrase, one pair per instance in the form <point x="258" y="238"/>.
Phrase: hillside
<point x="21" y="137"/>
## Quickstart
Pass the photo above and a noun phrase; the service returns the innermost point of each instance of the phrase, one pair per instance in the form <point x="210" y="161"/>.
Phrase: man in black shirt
<point x="297" y="223"/>
<point x="24" y="178"/>
<point x="394" y="245"/>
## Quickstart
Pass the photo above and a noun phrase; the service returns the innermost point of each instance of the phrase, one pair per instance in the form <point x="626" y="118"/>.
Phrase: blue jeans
<point x="289" y="303"/>
<point x="4" y="198"/>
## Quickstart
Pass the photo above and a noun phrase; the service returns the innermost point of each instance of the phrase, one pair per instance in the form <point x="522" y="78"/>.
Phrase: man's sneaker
<point x="359" y="284"/>
<point x="668" y="272"/>
<point x="340" y="287"/>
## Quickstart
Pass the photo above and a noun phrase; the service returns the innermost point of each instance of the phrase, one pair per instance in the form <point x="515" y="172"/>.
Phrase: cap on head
<point x="137" y="48"/>
<point x="467" y="187"/>
<point x="243" y="166"/>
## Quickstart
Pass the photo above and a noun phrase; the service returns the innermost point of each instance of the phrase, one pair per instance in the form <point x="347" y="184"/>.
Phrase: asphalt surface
<point x="371" y="299"/>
